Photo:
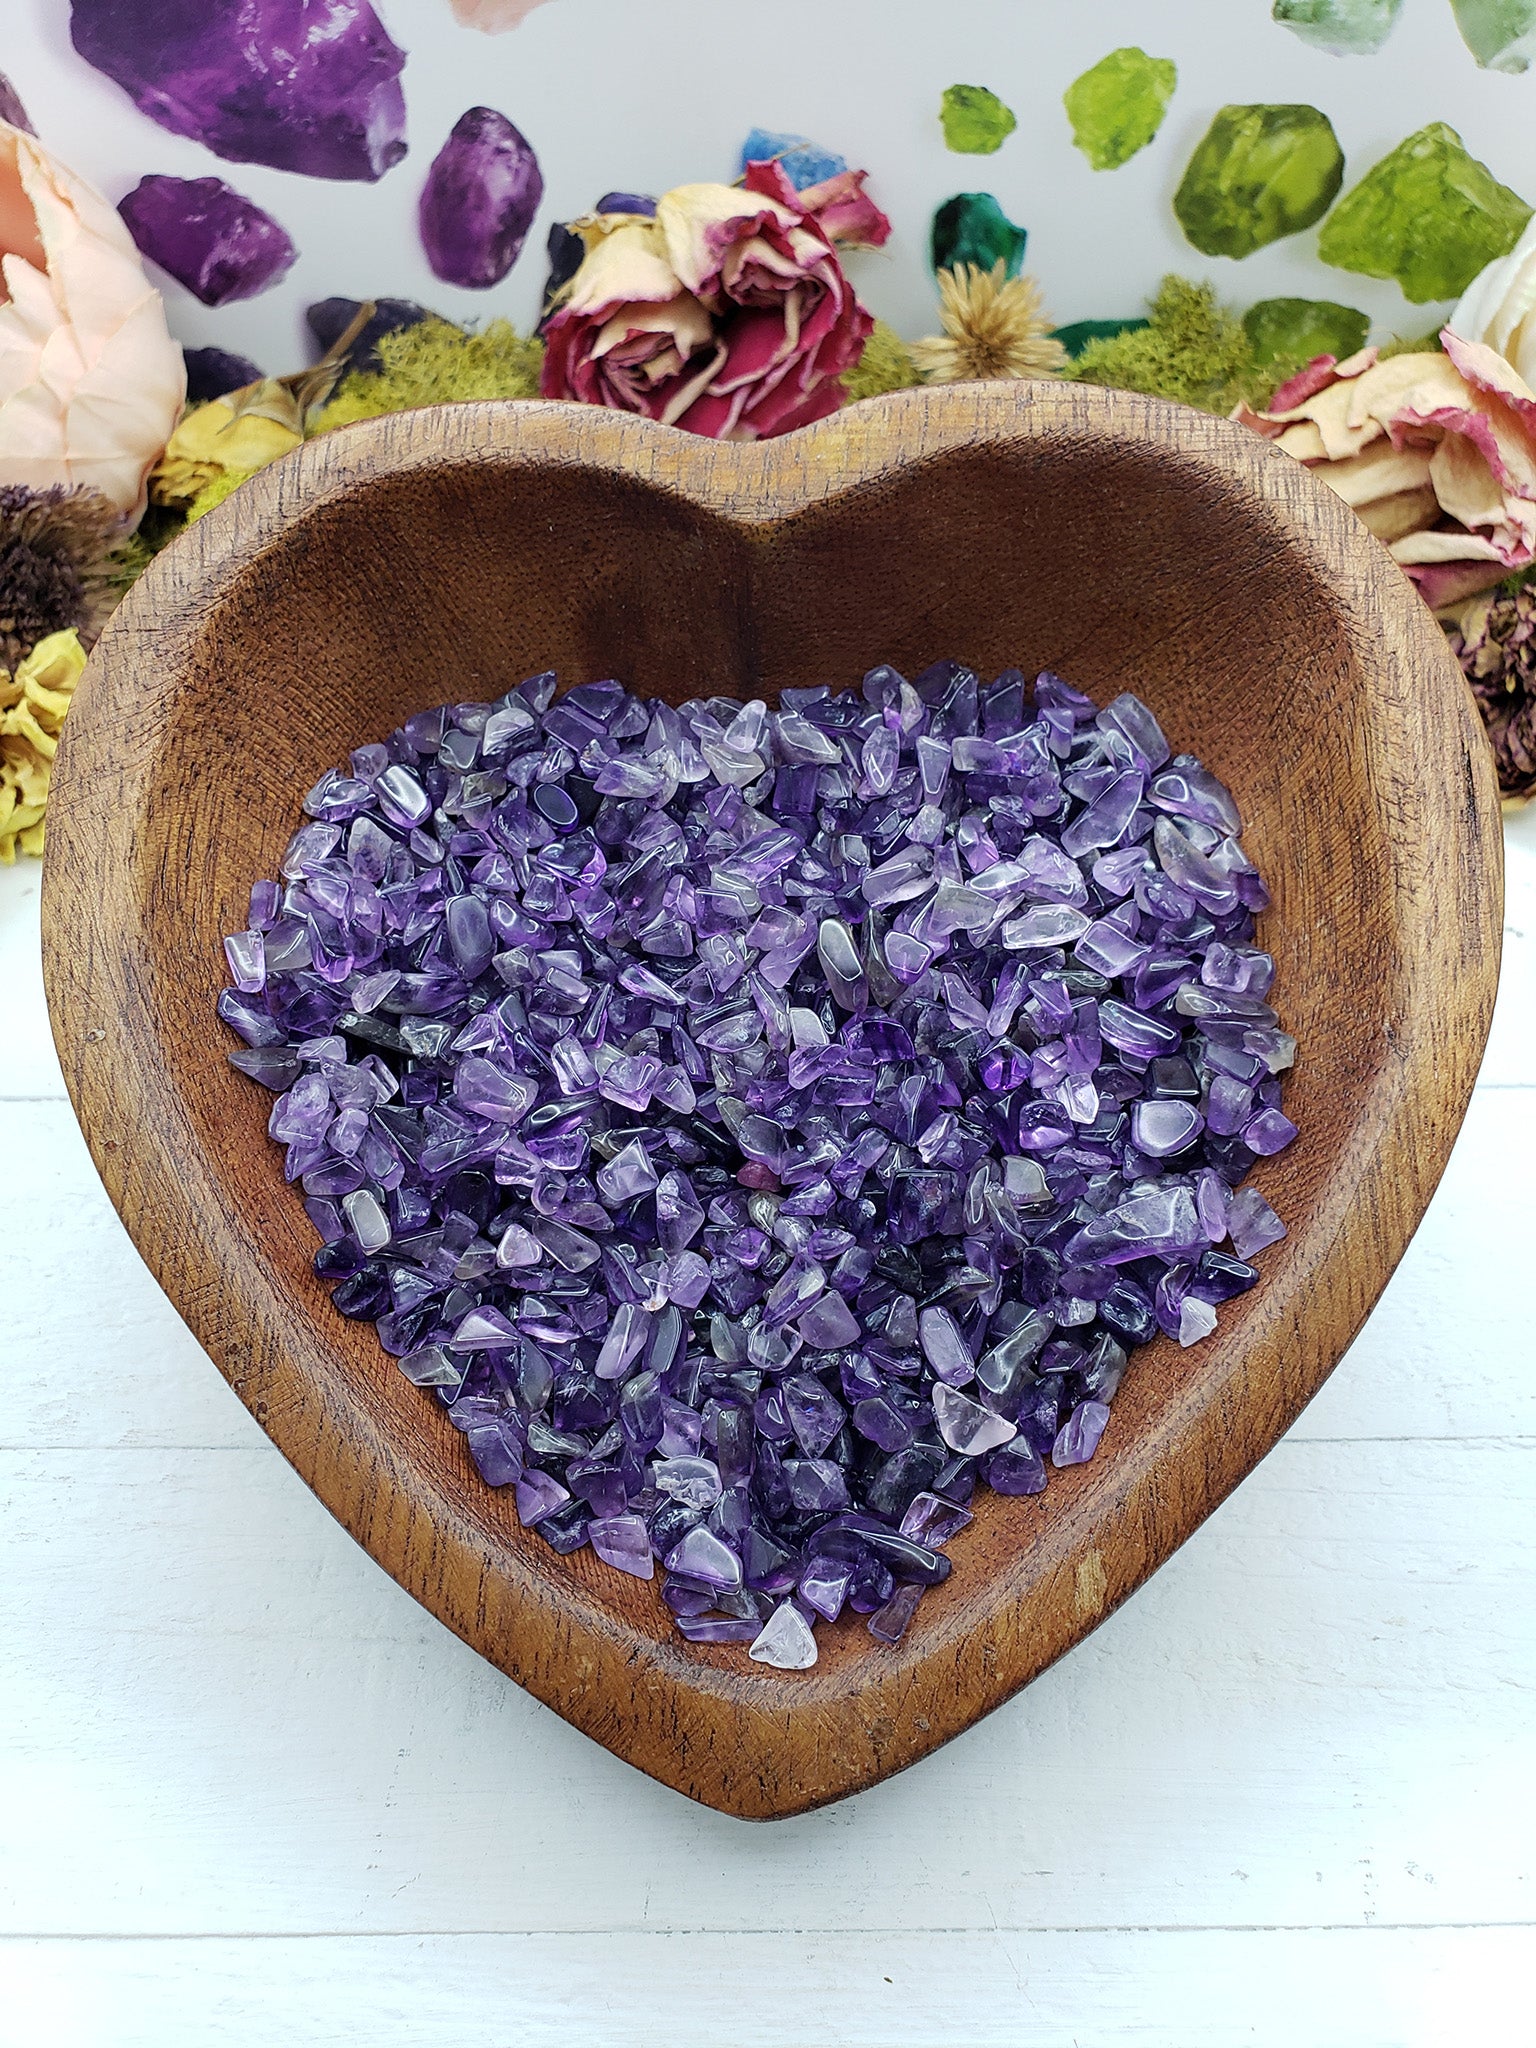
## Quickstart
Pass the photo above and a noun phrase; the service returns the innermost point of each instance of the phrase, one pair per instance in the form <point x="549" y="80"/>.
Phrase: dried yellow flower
<point x="993" y="327"/>
<point x="215" y="438"/>
<point x="249" y="428"/>
<point x="33" y="702"/>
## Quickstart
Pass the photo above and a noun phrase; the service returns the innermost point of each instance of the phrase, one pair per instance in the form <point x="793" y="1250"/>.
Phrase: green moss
<point x="974" y="119"/>
<point x="1077" y="334"/>
<point x="886" y="365"/>
<point x="1191" y="350"/>
<point x="435" y="363"/>
<point x="217" y="491"/>
<point x="1412" y="345"/>
<point x="157" y="529"/>
<point x="130" y="561"/>
<point x="1118" y="106"/>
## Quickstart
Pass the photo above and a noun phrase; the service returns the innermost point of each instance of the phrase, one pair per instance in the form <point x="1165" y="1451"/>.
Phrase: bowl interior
<point x="1248" y="616"/>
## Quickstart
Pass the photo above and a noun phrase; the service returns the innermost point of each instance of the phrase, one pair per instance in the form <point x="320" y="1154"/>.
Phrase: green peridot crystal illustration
<point x="975" y="120"/>
<point x="1346" y="28"/>
<point x="1428" y="214"/>
<point x="1118" y="106"/>
<point x="1260" y="173"/>
<point x="973" y="228"/>
<point x="1296" y="330"/>
<point x="1501" y="34"/>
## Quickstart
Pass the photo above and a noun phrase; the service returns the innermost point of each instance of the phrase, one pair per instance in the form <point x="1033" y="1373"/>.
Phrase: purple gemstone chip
<point x="759" y="1129"/>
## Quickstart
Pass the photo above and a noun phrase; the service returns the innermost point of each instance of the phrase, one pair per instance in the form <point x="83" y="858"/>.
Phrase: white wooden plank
<point x="101" y="1357"/>
<point x="1445" y="1352"/>
<point x="28" y="1064"/>
<point x="1442" y="1356"/>
<point x="1508" y="1061"/>
<point x="998" y="1988"/>
<point x="222" y="1718"/>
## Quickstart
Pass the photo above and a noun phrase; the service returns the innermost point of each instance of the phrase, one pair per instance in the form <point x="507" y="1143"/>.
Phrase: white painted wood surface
<point x="251" y="1795"/>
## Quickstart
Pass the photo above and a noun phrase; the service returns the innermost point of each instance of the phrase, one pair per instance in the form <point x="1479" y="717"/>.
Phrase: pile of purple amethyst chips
<point x="757" y="1128"/>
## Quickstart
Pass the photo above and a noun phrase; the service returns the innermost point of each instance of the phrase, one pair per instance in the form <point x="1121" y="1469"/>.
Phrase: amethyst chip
<point x="759" y="1129"/>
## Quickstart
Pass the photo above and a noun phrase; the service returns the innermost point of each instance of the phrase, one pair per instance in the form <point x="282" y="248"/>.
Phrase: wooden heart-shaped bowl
<point x="441" y="556"/>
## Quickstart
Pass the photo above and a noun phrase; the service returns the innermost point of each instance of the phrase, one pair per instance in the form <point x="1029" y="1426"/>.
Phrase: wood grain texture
<point x="442" y="555"/>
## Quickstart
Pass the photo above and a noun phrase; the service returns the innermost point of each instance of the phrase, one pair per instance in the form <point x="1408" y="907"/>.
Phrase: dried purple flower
<point x="1494" y="639"/>
<point x="58" y="565"/>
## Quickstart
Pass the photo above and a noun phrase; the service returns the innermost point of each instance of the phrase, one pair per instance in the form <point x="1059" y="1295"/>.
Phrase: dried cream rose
<point x="1498" y="308"/>
<point x="91" y="383"/>
<point x="1436" y="453"/>
<point x="626" y="334"/>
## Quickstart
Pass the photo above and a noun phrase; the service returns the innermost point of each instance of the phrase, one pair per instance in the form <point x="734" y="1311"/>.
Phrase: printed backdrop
<point x="614" y="94"/>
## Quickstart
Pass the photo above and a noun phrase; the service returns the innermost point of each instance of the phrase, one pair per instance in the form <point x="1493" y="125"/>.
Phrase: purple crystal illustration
<point x="211" y="238"/>
<point x="214" y="372"/>
<point x="479" y="200"/>
<point x="11" y="108"/>
<point x="311" y="86"/>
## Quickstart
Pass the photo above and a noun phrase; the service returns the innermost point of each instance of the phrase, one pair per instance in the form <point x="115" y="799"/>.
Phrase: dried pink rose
<point x="728" y="314"/>
<point x="1436" y="453"/>
<point x="626" y="332"/>
<point x="91" y="383"/>
<point x="839" y="205"/>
